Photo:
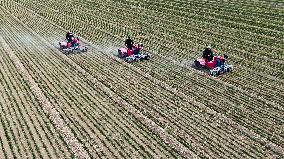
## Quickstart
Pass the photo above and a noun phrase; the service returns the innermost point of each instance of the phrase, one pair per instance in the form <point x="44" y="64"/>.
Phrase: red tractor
<point x="215" y="64"/>
<point x="72" y="46"/>
<point x="134" y="54"/>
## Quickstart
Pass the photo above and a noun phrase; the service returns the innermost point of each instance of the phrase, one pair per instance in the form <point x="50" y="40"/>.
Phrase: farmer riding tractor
<point x="133" y="52"/>
<point x="72" y="43"/>
<point x="216" y="65"/>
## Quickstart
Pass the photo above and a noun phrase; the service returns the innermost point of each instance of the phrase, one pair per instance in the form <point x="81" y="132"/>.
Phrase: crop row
<point x="111" y="17"/>
<point x="248" y="76"/>
<point x="186" y="19"/>
<point x="88" y="112"/>
<point x="239" y="106"/>
<point x="258" y="62"/>
<point x="230" y="10"/>
<point x="240" y="9"/>
<point x="92" y="66"/>
<point x="25" y="126"/>
<point x="149" y="19"/>
<point x="275" y="71"/>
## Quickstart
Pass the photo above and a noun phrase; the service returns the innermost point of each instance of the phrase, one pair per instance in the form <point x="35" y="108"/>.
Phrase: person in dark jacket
<point x="69" y="36"/>
<point x="208" y="53"/>
<point x="129" y="43"/>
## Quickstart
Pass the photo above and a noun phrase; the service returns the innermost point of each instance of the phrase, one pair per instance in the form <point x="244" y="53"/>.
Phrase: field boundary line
<point x="75" y="146"/>
<point x="167" y="138"/>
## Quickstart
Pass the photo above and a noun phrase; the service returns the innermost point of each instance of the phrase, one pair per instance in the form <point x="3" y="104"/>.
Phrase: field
<point x="94" y="105"/>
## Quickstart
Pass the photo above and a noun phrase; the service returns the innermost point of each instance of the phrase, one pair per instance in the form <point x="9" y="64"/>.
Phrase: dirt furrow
<point x="5" y="139"/>
<point x="52" y="64"/>
<point x="68" y="136"/>
<point x="160" y="131"/>
<point x="185" y="95"/>
<point x="37" y="118"/>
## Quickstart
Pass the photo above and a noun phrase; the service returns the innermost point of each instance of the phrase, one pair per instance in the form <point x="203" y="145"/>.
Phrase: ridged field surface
<point x="94" y="105"/>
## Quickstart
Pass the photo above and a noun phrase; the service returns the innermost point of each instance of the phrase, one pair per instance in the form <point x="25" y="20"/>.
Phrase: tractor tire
<point x="197" y="64"/>
<point x="226" y="56"/>
<point x="214" y="73"/>
<point x="147" y="57"/>
<point x="129" y="60"/>
<point x="229" y="69"/>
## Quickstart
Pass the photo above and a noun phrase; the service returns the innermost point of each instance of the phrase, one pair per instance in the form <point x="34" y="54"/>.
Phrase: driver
<point x="69" y="36"/>
<point x="129" y="43"/>
<point x="208" y="53"/>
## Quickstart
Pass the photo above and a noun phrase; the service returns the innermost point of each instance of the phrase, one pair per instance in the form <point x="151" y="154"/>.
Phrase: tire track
<point x="19" y="141"/>
<point x="33" y="115"/>
<point x="36" y="58"/>
<point x="167" y="138"/>
<point x="97" y="48"/>
<point x="65" y="131"/>
<point x="7" y="152"/>
<point x="154" y="127"/>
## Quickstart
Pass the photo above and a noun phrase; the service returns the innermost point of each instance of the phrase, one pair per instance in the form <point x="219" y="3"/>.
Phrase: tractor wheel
<point x="147" y="57"/>
<point x="197" y="64"/>
<point x="129" y="60"/>
<point x="229" y="69"/>
<point x="226" y="56"/>
<point x="214" y="73"/>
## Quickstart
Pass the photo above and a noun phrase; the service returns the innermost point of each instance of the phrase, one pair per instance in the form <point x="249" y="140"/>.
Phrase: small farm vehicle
<point x="74" y="45"/>
<point x="134" y="54"/>
<point x="216" y="65"/>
